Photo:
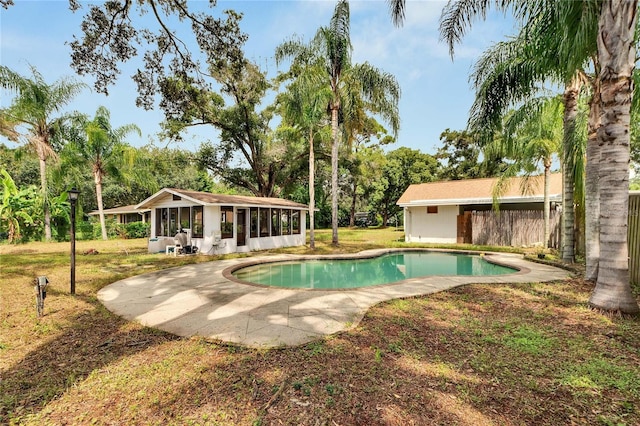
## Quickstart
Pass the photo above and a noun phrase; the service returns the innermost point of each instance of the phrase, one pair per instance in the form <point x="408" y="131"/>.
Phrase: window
<point x="130" y="217"/>
<point x="173" y="221"/>
<point x="226" y="221"/>
<point x="275" y="222"/>
<point x="197" y="220"/>
<point x="284" y="220"/>
<point x="170" y="220"/>
<point x="176" y="197"/>
<point x="295" y="222"/>
<point x="161" y="222"/>
<point x="185" y="217"/>
<point x="264" y="222"/>
<point x="253" y="220"/>
<point x="432" y="209"/>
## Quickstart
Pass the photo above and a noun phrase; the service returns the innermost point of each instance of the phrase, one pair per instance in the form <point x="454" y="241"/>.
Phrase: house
<point x="125" y="214"/>
<point x="220" y="223"/>
<point x="445" y="212"/>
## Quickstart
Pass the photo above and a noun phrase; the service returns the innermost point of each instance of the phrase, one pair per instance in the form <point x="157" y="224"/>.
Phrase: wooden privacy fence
<point x="634" y="238"/>
<point x="514" y="228"/>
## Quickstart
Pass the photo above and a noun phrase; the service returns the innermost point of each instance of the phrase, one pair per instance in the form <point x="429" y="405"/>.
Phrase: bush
<point x="137" y="230"/>
<point x="92" y="230"/>
<point x="84" y="230"/>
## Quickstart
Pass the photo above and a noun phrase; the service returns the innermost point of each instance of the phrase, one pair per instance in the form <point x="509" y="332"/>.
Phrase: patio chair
<point x="217" y="242"/>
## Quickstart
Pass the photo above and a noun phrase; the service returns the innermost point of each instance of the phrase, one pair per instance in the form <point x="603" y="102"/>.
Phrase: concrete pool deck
<point x="197" y="300"/>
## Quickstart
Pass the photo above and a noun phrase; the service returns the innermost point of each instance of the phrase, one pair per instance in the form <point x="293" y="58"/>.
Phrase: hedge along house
<point x="220" y="223"/>
<point x="125" y="214"/>
<point x="462" y="211"/>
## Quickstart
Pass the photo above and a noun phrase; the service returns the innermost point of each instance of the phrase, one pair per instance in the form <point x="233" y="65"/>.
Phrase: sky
<point x="436" y="94"/>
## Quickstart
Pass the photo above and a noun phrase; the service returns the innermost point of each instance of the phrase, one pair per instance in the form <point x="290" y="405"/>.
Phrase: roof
<point x="120" y="210"/>
<point x="208" y="199"/>
<point x="480" y="191"/>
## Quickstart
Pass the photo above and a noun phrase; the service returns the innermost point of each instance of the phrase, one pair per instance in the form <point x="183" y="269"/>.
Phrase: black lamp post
<point x="73" y="198"/>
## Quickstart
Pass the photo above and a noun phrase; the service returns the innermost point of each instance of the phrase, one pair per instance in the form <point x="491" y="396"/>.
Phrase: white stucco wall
<point x="210" y="230"/>
<point x="423" y="227"/>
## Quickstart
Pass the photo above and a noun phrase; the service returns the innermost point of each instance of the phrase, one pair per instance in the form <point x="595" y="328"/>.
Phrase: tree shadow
<point x="93" y="339"/>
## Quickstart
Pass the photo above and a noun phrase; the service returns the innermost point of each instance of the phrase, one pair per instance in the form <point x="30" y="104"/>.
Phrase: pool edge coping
<point x="227" y="272"/>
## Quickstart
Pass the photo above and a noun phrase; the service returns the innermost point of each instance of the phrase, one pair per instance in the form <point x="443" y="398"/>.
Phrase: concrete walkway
<point x="198" y="300"/>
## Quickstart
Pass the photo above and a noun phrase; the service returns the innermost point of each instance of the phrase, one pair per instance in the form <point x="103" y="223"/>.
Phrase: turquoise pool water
<point x="353" y="273"/>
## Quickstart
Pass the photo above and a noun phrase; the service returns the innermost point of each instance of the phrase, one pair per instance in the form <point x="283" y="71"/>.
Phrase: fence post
<point x="634" y="237"/>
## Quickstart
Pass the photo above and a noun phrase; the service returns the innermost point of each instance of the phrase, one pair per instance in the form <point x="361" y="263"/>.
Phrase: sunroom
<point x="221" y="223"/>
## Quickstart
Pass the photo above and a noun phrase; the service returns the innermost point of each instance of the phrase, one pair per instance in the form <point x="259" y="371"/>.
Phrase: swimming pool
<point x="332" y="274"/>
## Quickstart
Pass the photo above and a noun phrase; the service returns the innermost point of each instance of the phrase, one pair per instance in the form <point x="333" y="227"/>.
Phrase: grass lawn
<point x="527" y="354"/>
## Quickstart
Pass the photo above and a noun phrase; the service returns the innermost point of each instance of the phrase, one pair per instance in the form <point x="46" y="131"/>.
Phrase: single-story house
<point x="221" y="223"/>
<point x="125" y="214"/>
<point x="441" y="212"/>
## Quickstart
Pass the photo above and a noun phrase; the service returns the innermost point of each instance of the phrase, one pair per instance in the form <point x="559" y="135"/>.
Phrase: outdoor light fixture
<point x="73" y="198"/>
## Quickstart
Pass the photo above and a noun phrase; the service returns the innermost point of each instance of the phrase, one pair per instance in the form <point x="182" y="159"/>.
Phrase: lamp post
<point x="73" y="198"/>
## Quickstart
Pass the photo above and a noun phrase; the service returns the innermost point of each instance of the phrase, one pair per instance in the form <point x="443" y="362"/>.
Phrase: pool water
<point x="354" y="273"/>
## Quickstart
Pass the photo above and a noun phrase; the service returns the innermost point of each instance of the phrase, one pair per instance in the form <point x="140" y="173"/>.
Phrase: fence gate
<point x="465" y="235"/>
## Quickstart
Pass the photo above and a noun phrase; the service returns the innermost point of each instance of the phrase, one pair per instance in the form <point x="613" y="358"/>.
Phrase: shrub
<point x="137" y="230"/>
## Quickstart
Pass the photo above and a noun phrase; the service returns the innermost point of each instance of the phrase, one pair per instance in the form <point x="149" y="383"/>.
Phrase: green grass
<point x="478" y="355"/>
<point x="528" y="340"/>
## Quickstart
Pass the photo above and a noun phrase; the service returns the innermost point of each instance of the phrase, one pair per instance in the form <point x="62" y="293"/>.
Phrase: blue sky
<point x="436" y="94"/>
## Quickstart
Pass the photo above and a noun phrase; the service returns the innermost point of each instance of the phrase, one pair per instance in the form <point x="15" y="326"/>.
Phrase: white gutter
<point x="485" y="200"/>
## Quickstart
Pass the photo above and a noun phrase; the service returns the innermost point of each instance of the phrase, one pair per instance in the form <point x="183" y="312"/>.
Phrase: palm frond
<point x="396" y="9"/>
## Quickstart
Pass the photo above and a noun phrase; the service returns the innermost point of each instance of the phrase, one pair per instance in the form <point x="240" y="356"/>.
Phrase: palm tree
<point x="33" y="108"/>
<point x="304" y="106"/>
<point x="616" y="57"/>
<point x="532" y="135"/>
<point x="511" y="72"/>
<point x="103" y="148"/>
<point x="332" y="45"/>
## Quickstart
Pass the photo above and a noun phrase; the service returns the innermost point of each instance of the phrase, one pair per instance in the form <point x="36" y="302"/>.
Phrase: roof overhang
<point x="260" y="205"/>
<point x="236" y="203"/>
<point x="488" y="200"/>
<point x="164" y="191"/>
<point x="117" y="210"/>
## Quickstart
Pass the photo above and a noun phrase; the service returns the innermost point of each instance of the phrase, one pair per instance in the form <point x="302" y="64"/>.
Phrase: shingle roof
<point x="225" y="199"/>
<point x="239" y="199"/>
<point x="477" y="191"/>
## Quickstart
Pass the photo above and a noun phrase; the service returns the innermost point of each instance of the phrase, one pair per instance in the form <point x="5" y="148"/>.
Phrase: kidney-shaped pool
<point x="331" y="274"/>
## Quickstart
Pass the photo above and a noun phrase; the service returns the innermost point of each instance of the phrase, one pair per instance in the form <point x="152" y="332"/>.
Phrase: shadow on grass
<point x="90" y="341"/>
<point x="437" y="360"/>
<point x="416" y="361"/>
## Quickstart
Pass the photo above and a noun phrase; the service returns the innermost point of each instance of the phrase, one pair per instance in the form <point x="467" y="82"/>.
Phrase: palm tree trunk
<point x="334" y="173"/>
<point x="546" y="211"/>
<point x="616" y="55"/>
<point x="97" y="177"/>
<point x="312" y="192"/>
<point x="45" y="199"/>
<point x="592" y="189"/>
<point x="568" y="212"/>
<point x="354" y="197"/>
